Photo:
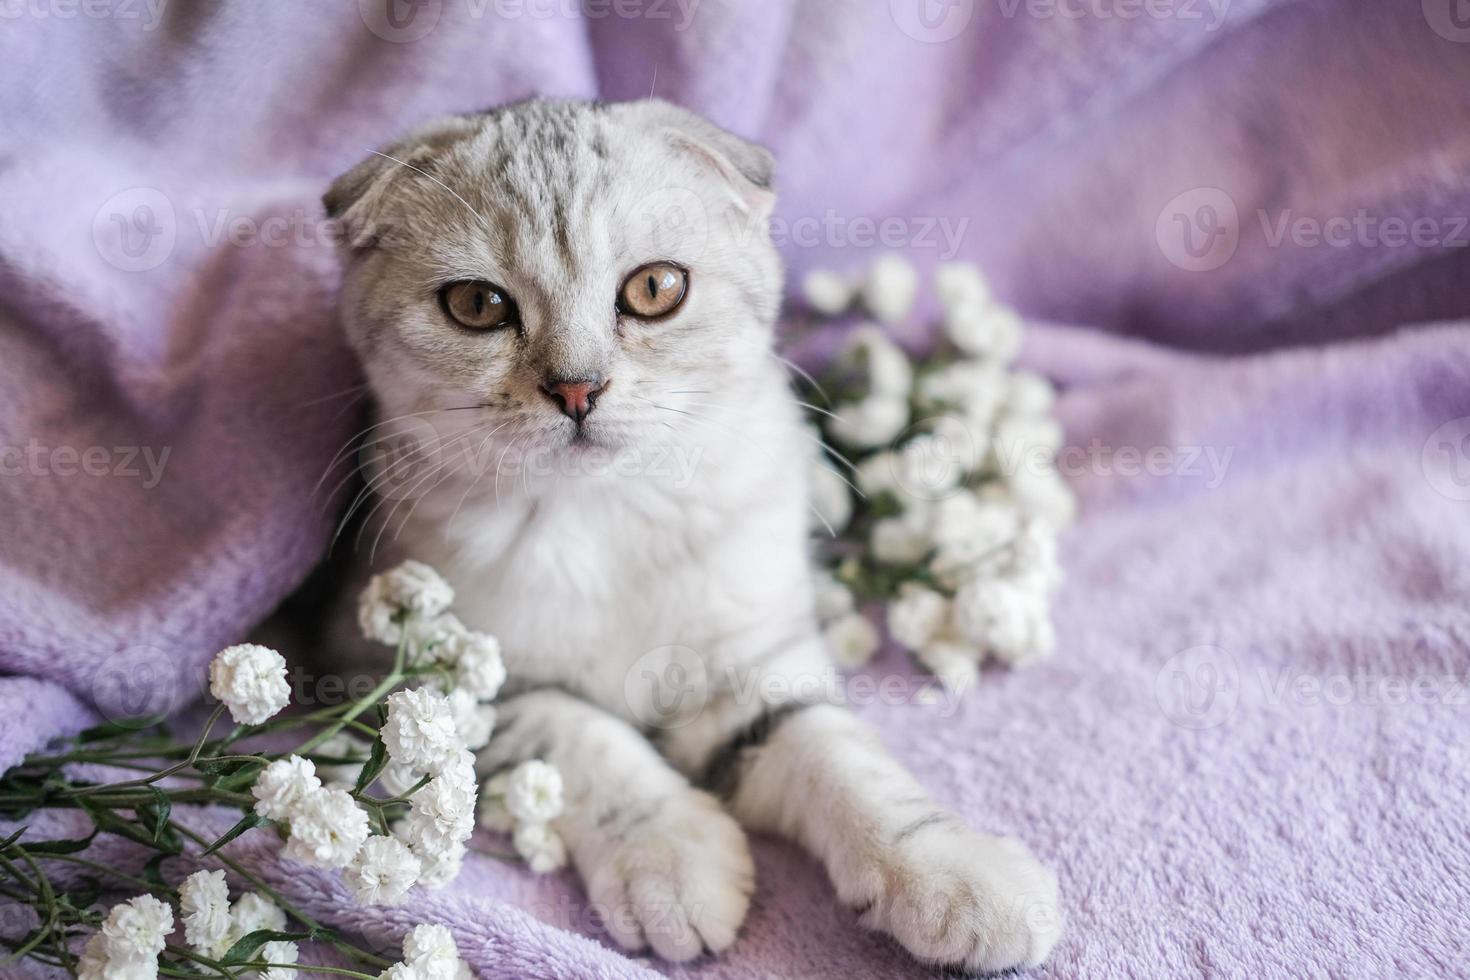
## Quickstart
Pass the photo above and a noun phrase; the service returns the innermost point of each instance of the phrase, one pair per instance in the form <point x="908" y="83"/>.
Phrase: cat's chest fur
<point x="596" y="582"/>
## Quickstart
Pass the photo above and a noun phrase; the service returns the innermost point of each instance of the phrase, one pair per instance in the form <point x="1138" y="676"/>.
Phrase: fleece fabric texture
<point x="1248" y="757"/>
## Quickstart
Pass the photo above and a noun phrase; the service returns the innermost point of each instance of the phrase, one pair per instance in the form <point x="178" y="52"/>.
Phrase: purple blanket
<point x="1249" y="756"/>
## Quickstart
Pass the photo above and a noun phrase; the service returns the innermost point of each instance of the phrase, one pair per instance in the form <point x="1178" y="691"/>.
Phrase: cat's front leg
<point x="951" y="896"/>
<point x="664" y="865"/>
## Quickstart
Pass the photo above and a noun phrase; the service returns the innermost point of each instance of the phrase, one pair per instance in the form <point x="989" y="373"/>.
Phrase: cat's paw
<point x="956" y="898"/>
<point x="675" y="875"/>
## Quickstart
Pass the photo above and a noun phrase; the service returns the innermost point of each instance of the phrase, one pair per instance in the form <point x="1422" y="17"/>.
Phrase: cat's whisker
<point x="836" y="454"/>
<point x="483" y="223"/>
<point x="449" y="471"/>
<point x="334" y="395"/>
<point x="351" y="445"/>
<point x="803" y="372"/>
<point x="755" y="445"/>
<point x="849" y="463"/>
<point x="820" y="411"/>
<point x="435" y="454"/>
<point x="449" y="526"/>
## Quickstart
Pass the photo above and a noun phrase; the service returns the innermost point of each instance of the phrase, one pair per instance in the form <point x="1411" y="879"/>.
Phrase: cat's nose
<point x="577" y="398"/>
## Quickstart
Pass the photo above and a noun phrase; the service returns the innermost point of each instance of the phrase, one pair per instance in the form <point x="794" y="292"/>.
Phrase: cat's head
<point x="563" y="274"/>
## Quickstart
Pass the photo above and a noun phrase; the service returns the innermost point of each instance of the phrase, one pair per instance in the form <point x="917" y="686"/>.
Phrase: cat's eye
<point x="478" y="305"/>
<point x="653" y="290"/>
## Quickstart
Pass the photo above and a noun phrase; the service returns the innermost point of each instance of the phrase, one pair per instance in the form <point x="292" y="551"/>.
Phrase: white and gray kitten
<point x="569" y="307"/>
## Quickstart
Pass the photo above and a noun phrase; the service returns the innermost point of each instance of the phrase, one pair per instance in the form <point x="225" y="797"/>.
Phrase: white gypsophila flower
<point x="1026" y="438"/>
<point x="327" y="828"/>
<point x="398" y="779"/>
<point x="1005" y="619"/>
<point x="975" y="389"/>
<point x="494" y="814"/>
<point x="204" y="904"/>
<point x="930" y="465"/>
<point x="833" y="599"/>
<point x="251" y="913"/>
<point x="282" y="785"/>
<point x="831" y="501"/>
<point x="954" y="663"/>
<point x="889" y="289"/>
<point x="961" y="441"/>
<point x="93" y="963"/>
<point x="533" y="793"/>
<point x="134" y="933"/>
<point x="852" y="640"/>
<point x="1029" y="393"/>
<point x="983" y="329"/>
<point x="965" y="517"/>
<point x="351" y="750"/>
<point x="434" y="639"/>
<point x="440" y="815"/>
<point x="916" y="615"/>
<point x="888" y="368"/>
<point x="541" y="847"/>
<point x="429" y="941"/>
<point x="431" y="953"/>
<point x="973" y="536"/>
<point x="411" y="589"/>
<point x="473" y="720"/>
<point x="827" y="292"/>
<point x="282" y="953"/>
<point x="442" y="866"/>
<point x="895" y="541"/>
<point x="1034" y="562"/>
<point x="873" y="422"/>
<point x="877" y="474"/>
<point x="382" y="871"/>
<point x="420" y="732"/>
<point x="1041" y="493"/>
<point x="959" y="283"/>
<point x="479" y="667"/>
<point x="249" y="680"/>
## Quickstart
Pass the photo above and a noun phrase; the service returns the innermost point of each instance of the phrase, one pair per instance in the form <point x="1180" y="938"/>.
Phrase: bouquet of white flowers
<point x="935" y="490"/>
<point x="383" y="789"/>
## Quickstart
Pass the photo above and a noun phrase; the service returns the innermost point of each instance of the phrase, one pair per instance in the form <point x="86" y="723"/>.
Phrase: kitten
<point x="569" y="309"/>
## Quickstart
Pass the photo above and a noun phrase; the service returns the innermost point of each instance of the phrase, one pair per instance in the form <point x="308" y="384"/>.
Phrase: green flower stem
<point x="362" y="956"/>
<point x="193" y="957"/>
<point x="112" y="798"/>
<point x="133" y="880"/>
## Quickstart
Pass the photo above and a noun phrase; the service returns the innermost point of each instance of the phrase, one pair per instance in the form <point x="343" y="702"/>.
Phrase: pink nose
<point x="575" y="398"/>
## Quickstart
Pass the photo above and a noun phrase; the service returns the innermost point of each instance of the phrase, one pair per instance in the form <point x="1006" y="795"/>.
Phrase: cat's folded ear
<point x="358" y="199"/>
<point x="748" y="167"/>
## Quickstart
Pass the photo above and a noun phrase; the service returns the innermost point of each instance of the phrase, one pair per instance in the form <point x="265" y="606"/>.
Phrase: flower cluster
<point x="384" y="789"/>
<point x="212" y="925"/>
<point x="250" y="680"/>
<point x="522" y="802"/>
<point x="429" y="953"/>
<point x="957" y="502"/>
<point x="430" y="734"/>
<point x="128" y="944"/>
